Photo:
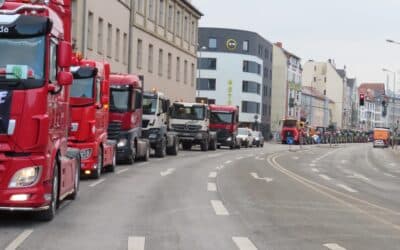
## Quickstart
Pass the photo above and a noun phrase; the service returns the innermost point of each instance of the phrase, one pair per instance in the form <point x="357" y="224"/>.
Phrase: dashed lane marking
<point x="313" y="165"/>
<point x="167" y="172"/>
<point x="220" y="167"/>
<point x="219" y="208"/>
<point x="295" y="158"/>
<point x="136" y="243"/>
<point x="389" y="175"/>
<point x="19" y="240"/>
<point x="325" y="177"/>
<point x="97" y="182"/>
<point x="347" y="188"/>
<point x="228" y="162"/>
<point x="315" y="170"/>
<point x="255" y="176"/>
<point x="334" y="246"/>
<point x="211" y="187"/>
<point x="244" y="243"/>
<point x="239" y="157"/>
<point x="122" y="171"/>
<point x="212" y="175"/>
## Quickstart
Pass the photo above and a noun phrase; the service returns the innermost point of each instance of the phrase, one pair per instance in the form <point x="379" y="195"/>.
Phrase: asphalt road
<point x="317" y="197"/>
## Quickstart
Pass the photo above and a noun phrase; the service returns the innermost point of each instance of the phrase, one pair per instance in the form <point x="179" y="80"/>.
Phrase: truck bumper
<point x="88" y="152"/>
<point x="194" y="138"/>
<point x="33" y="198"/>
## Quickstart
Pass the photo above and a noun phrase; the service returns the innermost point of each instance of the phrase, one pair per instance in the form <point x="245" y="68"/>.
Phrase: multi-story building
<point x="314" y="106"/>
<point x="371" y="113"/>
<point x="332" y="82"/>
<point x="156" y="39"/>
<point x="235" y="68"/>
<point x="286" y="86"/>
<point x="393" y="111"/>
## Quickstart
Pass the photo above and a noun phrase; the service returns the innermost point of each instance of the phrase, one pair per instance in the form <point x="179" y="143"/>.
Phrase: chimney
<point x="279" y="44"/>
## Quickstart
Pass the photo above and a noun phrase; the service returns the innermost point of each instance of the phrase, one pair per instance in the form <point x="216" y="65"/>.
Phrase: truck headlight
<point x="25" y="177"/>
<point x="229" y="139"/>
<point x="153" y="136"/>
<point x="86" y="153"/>
<point x="122" y="143"/>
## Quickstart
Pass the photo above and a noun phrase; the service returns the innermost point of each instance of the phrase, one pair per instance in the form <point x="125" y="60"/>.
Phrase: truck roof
<point x="103" y="67"/>
<point x="225" y="108"/>
<point x="190" y="104"/>
<point x="125" y="79"/>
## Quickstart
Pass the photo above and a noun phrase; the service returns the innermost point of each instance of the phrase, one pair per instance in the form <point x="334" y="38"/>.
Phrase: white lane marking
<point x="19" y="240"/>
<point x="219" y="208"/>
<point x="295" y="158"/>
<point x="167" y="172"/>
<point x="212" y="175"/>
<point x="390" y="175"/>
<point x="315" y="170"/>
<point x="136" y="243"/>
<point x="348" y="189"/>
<point x="392" y="164"/>
<point x="325" y="177"/>
<point x="122" y="170"/>
<point x="255" y="176"/>
<point x="260" y="158"/>
<point x="97" y="182"/>
<point x="220" y="167"/>
<point x="211" y="187"/>
<point x="244" y="243"/>
<point x="358" y="176"/>
<point x="343" y="161"/>
<point x="239" y="157"/>
<point x="228" y="162"/>
<point x="334" y="246"/>
<point x="313" y="165"/>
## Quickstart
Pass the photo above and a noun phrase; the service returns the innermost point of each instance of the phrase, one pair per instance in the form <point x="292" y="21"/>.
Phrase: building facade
<point x="235" y="68"/>
<point x="156" y="39"/>
<point x="313" y="107"/>
<point x="286" y="86"/>
<point x="371" y="114"/>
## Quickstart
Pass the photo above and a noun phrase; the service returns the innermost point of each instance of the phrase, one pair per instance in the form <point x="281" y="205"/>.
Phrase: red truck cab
<point x="37" y="169"/>
<point x="290" y="129"/>
<point x="225" y="121"/>
<point x="126" y="111"/>
<point x="89" y="116"/>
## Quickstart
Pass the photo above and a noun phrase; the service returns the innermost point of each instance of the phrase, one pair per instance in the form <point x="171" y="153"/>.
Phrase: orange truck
<point x="381" y="137"/>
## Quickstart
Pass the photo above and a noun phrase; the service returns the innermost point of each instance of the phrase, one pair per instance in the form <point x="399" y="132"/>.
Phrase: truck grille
<point x="222" y="134"/>
<point x="114" y="129"/>
<point x="186" y="128"/>
<point x="145" y="123"/>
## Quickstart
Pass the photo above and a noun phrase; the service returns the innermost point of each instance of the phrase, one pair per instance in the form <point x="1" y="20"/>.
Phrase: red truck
<point x="37" y="169"/>
<point x="89" y="106"/>
<point x="126" y="111"/>
<point x="292" y="128"/>
<point x="225" y="121"/>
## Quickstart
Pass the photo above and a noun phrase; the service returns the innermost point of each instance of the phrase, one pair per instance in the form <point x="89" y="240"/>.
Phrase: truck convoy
<point x="37" y="169"/>
<point x="191" y="122"/>
<point x="125" y="126"/>
<point x="155" y="124"/>
<point x="89" y="116"/>
<point x="224" y="120"/>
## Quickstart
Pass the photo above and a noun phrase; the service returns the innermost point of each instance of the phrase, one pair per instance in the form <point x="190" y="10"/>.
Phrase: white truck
<point x="155" y="124"/>
<point x="191" y="122"/>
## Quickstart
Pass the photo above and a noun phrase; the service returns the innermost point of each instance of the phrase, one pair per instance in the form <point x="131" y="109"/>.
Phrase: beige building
<point x="314" y="105"/>
<point x="325" y="78"/>
<point x="156" y="39"/>
<point x="286" y="86"/>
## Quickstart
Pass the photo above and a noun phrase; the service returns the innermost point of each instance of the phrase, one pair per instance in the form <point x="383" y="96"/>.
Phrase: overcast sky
<point x="352" y="32"/>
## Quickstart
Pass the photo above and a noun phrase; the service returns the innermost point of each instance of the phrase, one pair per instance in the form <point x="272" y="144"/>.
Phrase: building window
<point x="193" y="32"/>
<point x="212" y="43"/>
<point x="161" y="13"/>
<point x="207" y="63"/>
<point x="125" y="48"/>
<point x="246" y="45"/>
<point x="169" y="66"/>
<point x="206" y="84"/>
<point x="100" y="37"/>
<point x="193" y="76"/>
<point x="150" y="59"/>
<point x="186" y="29"/>
<point x="250" y="107"/>
<point x="150" y="13"/>
<point x="178" y="69"/>
<point x="160" y="62"/>
<point x="178" y="23"/>
<point x="90" y="31"/>
<point x="117" y="44"/>
<point x="139" y="54"/>
<point x="109" y="40"/>
<point x="185" y="72"/>
<point x="139" y="6"/>
<point x="251" y="87"/>
<point x="266" y="53"/>
<point x="170" y="17"/>
<point x="315" y="79"/>
<point x="251" y="67"/>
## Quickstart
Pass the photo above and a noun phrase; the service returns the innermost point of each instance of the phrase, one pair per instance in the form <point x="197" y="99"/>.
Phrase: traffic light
<point x="362" y="99"/>
<point x="384" y="106"/>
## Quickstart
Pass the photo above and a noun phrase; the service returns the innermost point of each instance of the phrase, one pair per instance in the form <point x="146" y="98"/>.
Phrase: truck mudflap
<point x="143" y="150"/>
<point x="110" y="155"/>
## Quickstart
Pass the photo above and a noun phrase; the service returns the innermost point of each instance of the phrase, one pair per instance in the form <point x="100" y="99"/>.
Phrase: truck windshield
<point x="119" y="99"/>
<point x="22" y="61"/>
<point x="82" y="88"/>
<point x="221" y="118"/>
<point x="149" y="105"/>
<point x="187" y="112"/>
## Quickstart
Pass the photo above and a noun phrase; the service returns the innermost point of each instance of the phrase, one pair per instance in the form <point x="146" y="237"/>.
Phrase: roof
<point x="310" y="91"/>
<point x="192" y="7"/>
<point x="372" y="90"/>
<point x="223" y="108"/>
<point x="341" y="72"/>
<point x="125" y="79"/>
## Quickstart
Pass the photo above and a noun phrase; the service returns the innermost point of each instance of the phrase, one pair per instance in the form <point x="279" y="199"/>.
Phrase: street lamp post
<point x="392" y="41"/>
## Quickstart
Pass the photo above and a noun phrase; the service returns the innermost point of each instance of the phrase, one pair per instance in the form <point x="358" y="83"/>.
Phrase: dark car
<point x="258" y="139"/>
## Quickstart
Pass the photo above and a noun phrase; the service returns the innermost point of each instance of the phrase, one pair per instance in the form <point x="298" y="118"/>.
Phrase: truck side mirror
<point x="64" y="54"/>
<point x="64" y="78"/>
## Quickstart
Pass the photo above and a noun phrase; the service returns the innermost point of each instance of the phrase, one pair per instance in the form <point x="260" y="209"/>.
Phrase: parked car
<point x="258" y="139"/>
<point x="246" y="137"/>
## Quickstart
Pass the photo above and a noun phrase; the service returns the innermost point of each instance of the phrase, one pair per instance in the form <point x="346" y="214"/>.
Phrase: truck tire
<point x="174" y="149"/>
<point x="204" y="145"/>
<point x="213" y="145"/>
<point x="100" y="161"/>
<point x="161" y="149"/>
<point x="186" y="145"/>
<point x="74" y="195"/>
<point x="48" y="214"/>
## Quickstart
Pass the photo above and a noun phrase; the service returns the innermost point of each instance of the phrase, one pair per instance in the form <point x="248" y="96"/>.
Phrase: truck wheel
<point x="213" y="145"/>
<point x="186" y="145"/>
<point x="204" y="145"/>
<point x="161" y="150"/>
<point x="174" y="149"/>
<point x="48" y="214"/>
<point x="99" y="168"/>
<point x="74" y="195"/>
